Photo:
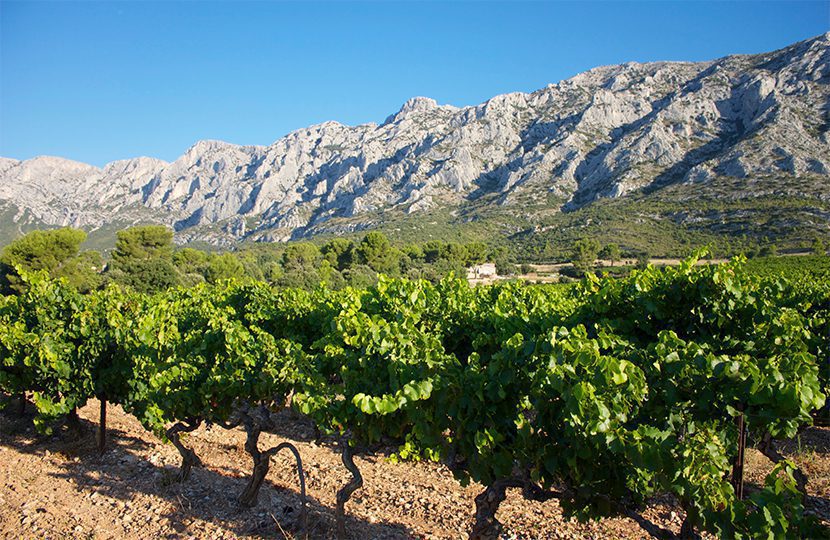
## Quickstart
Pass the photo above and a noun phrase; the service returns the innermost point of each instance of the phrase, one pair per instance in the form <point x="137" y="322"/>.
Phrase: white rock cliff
<point x="603" y="133"/>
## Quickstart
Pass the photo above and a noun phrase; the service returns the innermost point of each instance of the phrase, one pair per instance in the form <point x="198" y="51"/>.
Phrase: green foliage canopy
<point x="584" y="254"/>
<point x="143" y="259"/>
<point x="53" y="251"/>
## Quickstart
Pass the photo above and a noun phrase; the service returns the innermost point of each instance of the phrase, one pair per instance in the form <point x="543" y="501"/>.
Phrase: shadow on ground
<point x="209" y="495"/>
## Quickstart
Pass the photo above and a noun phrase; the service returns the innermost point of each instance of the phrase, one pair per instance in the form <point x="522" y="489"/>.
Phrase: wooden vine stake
<point x="101" y="439"/>
<point x="738" y="466"/>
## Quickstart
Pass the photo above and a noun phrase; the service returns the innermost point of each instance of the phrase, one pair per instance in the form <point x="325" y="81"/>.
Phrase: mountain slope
<point x="611" y="132"/>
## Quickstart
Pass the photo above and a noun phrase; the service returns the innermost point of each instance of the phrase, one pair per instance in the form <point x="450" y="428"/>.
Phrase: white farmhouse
<point x="482" y="271"/>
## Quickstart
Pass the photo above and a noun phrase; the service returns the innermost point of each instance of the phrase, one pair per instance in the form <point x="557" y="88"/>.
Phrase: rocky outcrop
<point x="603" y="133"/>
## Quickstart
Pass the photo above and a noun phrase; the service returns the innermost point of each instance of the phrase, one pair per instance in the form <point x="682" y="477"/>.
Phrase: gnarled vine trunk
<point x="73" y="421"/>
<point x="254" y="422"/>
<point x="687" y="530"/>
<point x="486" y="526"/>
<point x="262" y="463"/>
<point x="345" y="493"/>
<point x="300" y="474"/>
<point x="189" y="457"/>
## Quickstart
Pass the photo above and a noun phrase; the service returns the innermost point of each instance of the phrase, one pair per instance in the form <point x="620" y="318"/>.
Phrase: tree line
<point x="145" y="259"/>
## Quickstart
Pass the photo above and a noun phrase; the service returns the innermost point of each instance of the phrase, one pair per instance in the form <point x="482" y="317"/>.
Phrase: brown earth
<point x="59" y="487"/>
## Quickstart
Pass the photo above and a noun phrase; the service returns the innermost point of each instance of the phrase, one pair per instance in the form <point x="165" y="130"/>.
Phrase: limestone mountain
<point x="611" y="132"/>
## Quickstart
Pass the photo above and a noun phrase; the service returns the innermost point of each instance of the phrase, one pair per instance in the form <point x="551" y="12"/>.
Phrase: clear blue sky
<point x="97" y="82"/>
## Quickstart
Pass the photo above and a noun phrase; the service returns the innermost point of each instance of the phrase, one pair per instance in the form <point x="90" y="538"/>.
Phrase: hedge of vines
<point x="598" y="395"/>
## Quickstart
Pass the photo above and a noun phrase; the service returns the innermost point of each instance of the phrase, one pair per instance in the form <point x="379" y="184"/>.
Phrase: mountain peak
<point x="418" y="103"/>
<point x="208" y="145"/>
<point x="603" y="133"/>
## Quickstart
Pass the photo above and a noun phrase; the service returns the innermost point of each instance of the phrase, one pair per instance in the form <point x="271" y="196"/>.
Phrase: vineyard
<point x="596" y="396"/>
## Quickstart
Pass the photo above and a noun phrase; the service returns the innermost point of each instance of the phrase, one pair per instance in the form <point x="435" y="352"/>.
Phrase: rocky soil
<point x="59" y="487"/>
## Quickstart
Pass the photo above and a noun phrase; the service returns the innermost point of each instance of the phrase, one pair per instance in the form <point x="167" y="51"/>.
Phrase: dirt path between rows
<point x="59" y="487"/>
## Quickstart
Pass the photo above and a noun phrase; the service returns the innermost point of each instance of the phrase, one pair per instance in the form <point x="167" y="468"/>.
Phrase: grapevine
<point x="598" y="395"/>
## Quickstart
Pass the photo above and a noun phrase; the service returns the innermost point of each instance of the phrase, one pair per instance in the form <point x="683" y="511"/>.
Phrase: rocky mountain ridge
<point x="607" y="132"/>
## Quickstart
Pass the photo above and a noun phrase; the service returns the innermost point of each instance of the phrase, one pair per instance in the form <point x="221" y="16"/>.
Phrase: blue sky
<point x="97" y="82"/>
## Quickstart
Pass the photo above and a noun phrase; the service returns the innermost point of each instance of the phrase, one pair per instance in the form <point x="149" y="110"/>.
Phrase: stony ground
<point x="59" y="487"/>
